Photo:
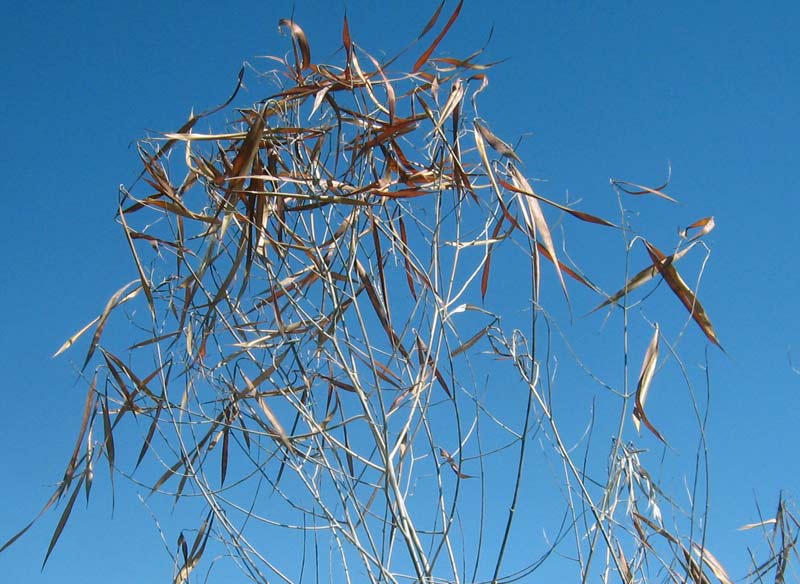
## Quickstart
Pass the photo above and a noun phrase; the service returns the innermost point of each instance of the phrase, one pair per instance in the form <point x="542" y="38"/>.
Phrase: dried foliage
<point x="316" y="286"/>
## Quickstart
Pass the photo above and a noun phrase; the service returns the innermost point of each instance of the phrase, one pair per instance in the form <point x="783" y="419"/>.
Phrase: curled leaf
<point x="302" y="42"/>
<point x="634" y="189"/>
<point x="496" y="143"/>
<point x="643" y="388"/>
<point x="705" y="225"/>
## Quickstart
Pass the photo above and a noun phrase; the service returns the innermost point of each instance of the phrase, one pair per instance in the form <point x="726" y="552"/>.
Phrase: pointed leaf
<point x="62" y="522"/>
<point x="142" y="276"/>
<point x="151" y="430"/>
<point x="535" y="220"/>
<point x="488" y="261"/>
<point x="640" y="279"/>
<point x="712" y="562"/>
<point x="302" y="42"/>
<point x="496" y="143"/>
<point x="574" y="212"/>
<point x="432" y="20"/>
<point x="224" y="460"/>
<point x="705" y="225"/>
<point x="634" y="189"/>
<point x="426" y="55"/>
<point x="71" y="341"/>
<point x="112" y="303"/>
<point x="466" y="346"/>
<point x="109" y="444"/>
<point x="682" y="291"/>
<point x="645" y="378"/>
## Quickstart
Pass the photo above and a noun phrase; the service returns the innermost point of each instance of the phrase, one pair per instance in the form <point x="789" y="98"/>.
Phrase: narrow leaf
<point x="565" y="268"/>
<point x="453" y="464"/>
<point x="705" y="225"/>
<point x="432" y="20"/>
<point x="634" y="189"/>
<point x="713" y="563"/>
<point x="151" y="430"/>
<point x="142" y="276"/>
<point x="62" y="522"/>
<point x="771" y="521"/>
<point x="426" y="55"/>
<point x="496" y="143"/>
<point x="109" y="445"/>
<point x="488" y="261"/>
<point x="112" y="303"/>
<point x="536" y="221"/>
<point x="575" y="213"/>
<point x="472" y="340"/>
<point x="71" y="341"/>
<point x="640" y="279"/>
<point x="405" y="251"/>
<point x="645" y="378"/>
<point x="300" y="38"/>
<point x="224" y="461"/>
<point x="682" y="291"/>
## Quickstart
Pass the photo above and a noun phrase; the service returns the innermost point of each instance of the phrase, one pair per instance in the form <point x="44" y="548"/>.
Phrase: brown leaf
<point x="139" y="268"/>
<point x="469" y="343"/>
<point x="535" y="219"/>
<point x="346" y="40"/>
<point x="432" y="20"/>
<point x="424" y="355"/>
<point x="243" y="162"/>
<point x="706" y="224"/>
<point x="488" y="261"/>
<point x="426" y="55"/>
<point x="496" y="143"/>
<point x="62" y="522"/>
<point x="399" y="400"/>
<point x="645" y="378"/>
<point x="192" y="121"/>
<point x="695" y="570"/>
<point x="640" y="279"/>
<point x="302" y="42"/>
<point x="376" y="241"/>
<point x="270" y="415"/>
<point x="405" y="251"/>
<point x="88" y="408"/>
<point x="575" y="213"/>
<point x="682" y="291"/>
<point x="151" y="430"/>
<point x="198" y="547"/>
<point x="173" y="207"/>
<point x="634" y="189"/>
<point x="224" y="460"/>
<point x="109" y="444"/>
<point x="113" y="302"/>
<point x="566" y="269"/>
<point x="453" y="464"/>
<point x="627" y="576"/>
<point x="479" y="142"/>
<point x="712" y="562"/>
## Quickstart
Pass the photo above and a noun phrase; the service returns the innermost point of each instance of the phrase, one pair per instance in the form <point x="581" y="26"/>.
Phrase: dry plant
<point x="330" y="376"/>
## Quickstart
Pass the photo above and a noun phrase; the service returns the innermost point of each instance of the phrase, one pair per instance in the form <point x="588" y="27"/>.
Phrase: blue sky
<point x="593" y="92"/>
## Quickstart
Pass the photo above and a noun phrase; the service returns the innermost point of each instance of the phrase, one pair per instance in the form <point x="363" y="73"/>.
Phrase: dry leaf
<point x="682" y="291"/>
<point x="643" y="388"/>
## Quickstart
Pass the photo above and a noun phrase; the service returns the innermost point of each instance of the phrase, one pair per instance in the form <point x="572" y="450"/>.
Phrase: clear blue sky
<point x="710" y="88"/>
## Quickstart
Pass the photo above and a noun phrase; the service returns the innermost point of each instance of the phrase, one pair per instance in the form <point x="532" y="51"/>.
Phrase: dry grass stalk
<point x="319" y="295"/>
